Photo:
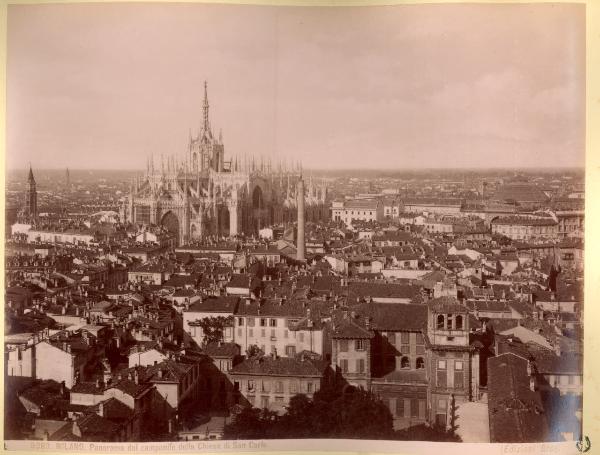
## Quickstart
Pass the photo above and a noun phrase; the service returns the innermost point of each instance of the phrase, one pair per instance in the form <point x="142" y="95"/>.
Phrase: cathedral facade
<point x="200" y="193"/>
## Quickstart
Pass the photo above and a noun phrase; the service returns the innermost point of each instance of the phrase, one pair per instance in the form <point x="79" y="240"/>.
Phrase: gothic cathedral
<point x="202" y="193"/>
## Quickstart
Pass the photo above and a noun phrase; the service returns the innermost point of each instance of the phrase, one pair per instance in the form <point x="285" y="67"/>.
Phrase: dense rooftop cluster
<point x="129" y="336"/>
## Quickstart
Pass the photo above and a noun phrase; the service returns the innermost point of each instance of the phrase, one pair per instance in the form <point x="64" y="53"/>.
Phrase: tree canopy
<point x="329" y="414"/>
<point x="357" y="414"/>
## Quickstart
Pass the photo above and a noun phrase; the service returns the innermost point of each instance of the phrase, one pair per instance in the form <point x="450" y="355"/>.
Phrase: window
<point x="263" y="322"/>
<point x="391" y="337"/>
<point x="400" y="407"/>
<point x="458" y="365"/>
<point x="279" y="387"/>
<point x="420" y="363"/>
<point x="240" y="321"/>
<point x="459" y="376"/>
<point x="250" y="333"/>
<point x="414" y="407"/>
<point x="273" y="322"/>
<point x="442" y="376"/>
<point x="251" y="322"/>
<point x="250" y="385"/>
<point x="293" y="387"/>
<point x="266" y="386"/>
<point x="301" y="337"/>
<point x="239" y="332"/>
<point x="420" y="344"/>
<point x="344" y="365"/>
<point x="459" y="322"/>
<point x="343" y="345"/>
<point x="359" y="345"/>
<point x="285" y="333"/>
<point x="309" y="387"/>
<point x="272" y="333"/>
<point x="360" y="365"/>
<point x="279" y="399"/>
<point x="440" y="321"/>
<point x="442" y="405"/>
<point x="290" y="351"/>
<point x="449" y="322"/>
<point x="405" y="362"/>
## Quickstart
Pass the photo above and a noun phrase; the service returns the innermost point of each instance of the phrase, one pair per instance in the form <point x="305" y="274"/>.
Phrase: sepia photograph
<point x="258" y="222"/>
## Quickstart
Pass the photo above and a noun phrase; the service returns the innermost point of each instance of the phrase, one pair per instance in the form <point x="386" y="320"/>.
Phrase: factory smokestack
<point x="300" y="202"/>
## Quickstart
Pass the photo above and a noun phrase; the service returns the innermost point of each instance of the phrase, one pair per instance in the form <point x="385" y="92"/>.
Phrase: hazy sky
<point x="106" y="85"/>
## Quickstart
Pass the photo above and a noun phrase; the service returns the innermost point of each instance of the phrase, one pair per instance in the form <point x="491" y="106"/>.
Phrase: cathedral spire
<point x="206" y="125"/>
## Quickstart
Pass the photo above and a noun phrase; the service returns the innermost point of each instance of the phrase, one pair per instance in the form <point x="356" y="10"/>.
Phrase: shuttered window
<point x="400" y="407"/>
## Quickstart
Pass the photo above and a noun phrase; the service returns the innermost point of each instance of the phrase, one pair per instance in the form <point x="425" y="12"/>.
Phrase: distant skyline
<point x="402" y="87"/>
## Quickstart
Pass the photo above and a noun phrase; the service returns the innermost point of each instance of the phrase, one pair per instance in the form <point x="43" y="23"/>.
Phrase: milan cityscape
<point x="260" y="223"/>
<point x="213" y="297"/>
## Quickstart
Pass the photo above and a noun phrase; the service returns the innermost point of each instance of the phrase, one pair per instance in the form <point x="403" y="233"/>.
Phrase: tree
<point x="330" y="414"/>
<point x="213" y="328"/>
<point x="250" y="423"/>
<point x="253" y="351"/>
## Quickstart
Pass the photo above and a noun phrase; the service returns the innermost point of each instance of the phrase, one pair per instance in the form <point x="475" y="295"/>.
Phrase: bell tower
<point x="31" y="208"/>
<point x="454" y="361"/>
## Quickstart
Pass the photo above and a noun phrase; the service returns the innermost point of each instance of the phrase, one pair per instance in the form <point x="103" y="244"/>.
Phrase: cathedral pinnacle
<point x="206" y="127"/>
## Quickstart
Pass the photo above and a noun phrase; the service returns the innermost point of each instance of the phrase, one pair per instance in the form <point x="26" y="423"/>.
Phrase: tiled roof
<point x="221" y="350"/>
<point x="392" y="316"/>
<point x="520" y="192"/>
<point x="220" y="304"/>
<point x="524" y="221"/>
<point x="547" y="362"/>
<point x="447" y="305"/>
<point x="115" y="410"/>
<point x="381" y="290"/>
<point x="348" y="327"/>
<point x="129" y="387"/>
<point x="516" y="412"/>
<point x="280" y="366"/>
<point x="96" y="428"/>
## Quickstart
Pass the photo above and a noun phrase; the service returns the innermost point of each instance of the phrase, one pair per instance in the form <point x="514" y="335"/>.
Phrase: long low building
<point x="74" y="236"/>
<point x="525" y="227"/>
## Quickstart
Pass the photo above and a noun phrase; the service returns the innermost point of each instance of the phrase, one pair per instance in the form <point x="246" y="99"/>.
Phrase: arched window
<point x="405" y="362"/>
<point x="420" y="363"/>
<point x="459" y="322"/>
<point x="440" y="321"/>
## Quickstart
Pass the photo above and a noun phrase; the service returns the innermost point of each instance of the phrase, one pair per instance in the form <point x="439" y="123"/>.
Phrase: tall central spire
<point x="205" y="108"/>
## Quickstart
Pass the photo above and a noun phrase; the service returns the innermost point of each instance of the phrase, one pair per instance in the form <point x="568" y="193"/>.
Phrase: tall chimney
<point x="300" y="242"/>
